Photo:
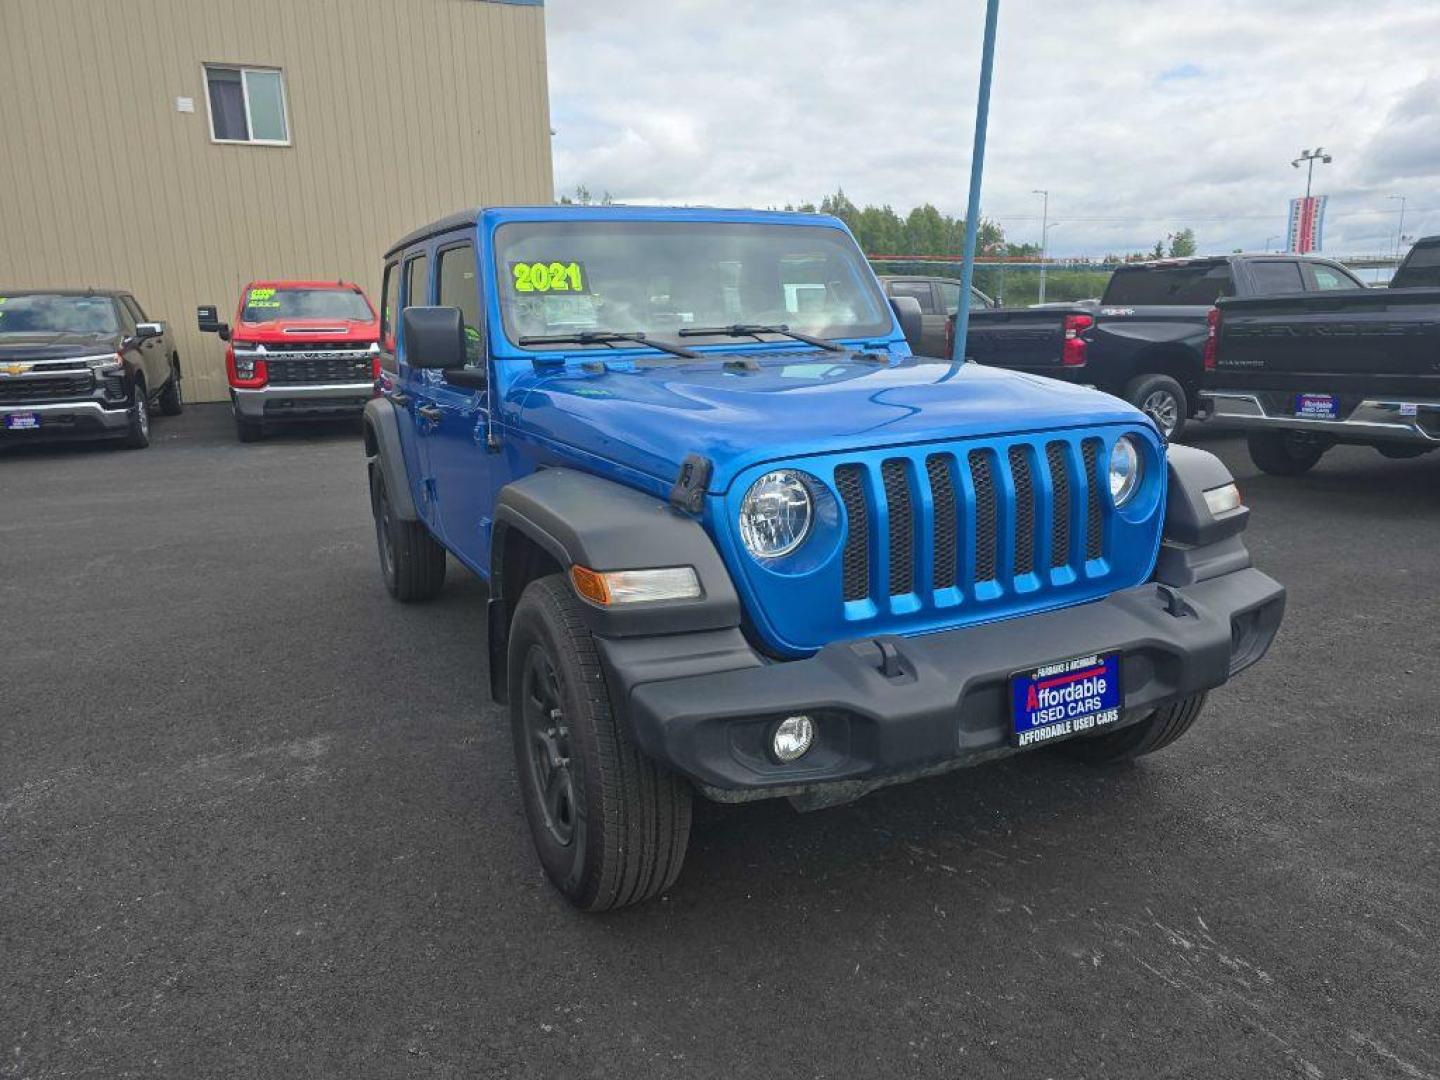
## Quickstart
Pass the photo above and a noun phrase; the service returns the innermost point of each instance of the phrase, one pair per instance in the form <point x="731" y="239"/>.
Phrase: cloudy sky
<point x="1140" y="116"/>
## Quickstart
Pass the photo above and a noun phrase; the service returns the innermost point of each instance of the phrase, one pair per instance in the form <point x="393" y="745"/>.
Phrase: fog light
<point x="793" y="738"/>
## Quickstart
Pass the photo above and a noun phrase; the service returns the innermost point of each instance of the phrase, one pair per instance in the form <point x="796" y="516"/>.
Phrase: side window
<point x="417" y="271"/>
<point x="1326" y="278"/>
<point x="456" y="287"/>
<point x="387" y="306"/>
<point x="133" y="307"/>
<point x="1276" y="277"/>
<point x="127" y="320"/>
<point x="918" y="290"/>
<point x="950" y="296"/>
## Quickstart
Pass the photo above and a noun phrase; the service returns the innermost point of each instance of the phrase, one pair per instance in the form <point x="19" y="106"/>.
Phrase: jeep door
<point x="419" y="414"/>
<point x="459" y="460"/>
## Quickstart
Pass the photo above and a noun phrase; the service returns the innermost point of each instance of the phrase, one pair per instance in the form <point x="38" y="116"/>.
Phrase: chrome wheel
<point x="142" y="412"/>
<point x="1162" y="407"/>
<point x="547" y="741"/>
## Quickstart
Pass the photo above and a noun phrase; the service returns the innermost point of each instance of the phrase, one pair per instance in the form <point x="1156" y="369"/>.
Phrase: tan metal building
<point x="179" y="148"/>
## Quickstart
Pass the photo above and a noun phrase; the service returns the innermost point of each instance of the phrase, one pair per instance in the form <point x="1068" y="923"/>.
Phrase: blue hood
<point x="651" y="415"/>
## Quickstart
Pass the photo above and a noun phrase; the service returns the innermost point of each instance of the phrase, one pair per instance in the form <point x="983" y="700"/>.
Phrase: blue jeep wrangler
<point x="738" y="542"/>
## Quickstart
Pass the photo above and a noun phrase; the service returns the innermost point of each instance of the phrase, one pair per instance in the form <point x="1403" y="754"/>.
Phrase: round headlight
<point x="775" y="516"/>
<point x="1125" y="470"/>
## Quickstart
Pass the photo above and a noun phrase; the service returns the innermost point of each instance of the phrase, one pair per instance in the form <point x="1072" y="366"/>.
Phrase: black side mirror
<point x="434" y="337"/>
<point x="912" y="322"/>
<point x="209" y="321"/>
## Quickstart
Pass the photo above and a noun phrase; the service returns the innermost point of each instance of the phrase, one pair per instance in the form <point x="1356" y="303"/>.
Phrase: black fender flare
<point x="382" y="451"/>
<point x="579" y="519"/>
<point x="1198" y="544"/>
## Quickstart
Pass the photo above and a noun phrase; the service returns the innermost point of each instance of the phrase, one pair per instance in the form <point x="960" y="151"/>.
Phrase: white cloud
<point x="1140" y="116"/>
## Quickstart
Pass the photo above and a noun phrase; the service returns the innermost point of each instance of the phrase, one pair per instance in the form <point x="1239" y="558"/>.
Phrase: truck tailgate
<point x="1028" y="340"/>
<point x="1356" y="341"/>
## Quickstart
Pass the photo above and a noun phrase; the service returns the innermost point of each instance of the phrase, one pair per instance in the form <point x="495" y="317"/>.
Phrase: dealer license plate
<point x="1068" y="697"/>
<point x="1317" y="406"/>
<point x="22" y="421"/>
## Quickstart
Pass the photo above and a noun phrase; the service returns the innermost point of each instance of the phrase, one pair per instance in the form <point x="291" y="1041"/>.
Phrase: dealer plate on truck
<point x="1067" y="697"/>
<point x="22" y="421"/>
<point x="1317" y="406"/>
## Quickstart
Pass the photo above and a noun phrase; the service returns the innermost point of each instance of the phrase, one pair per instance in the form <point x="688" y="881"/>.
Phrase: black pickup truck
<point x="1145" y="340"/>
<point x="83" y="364"/>
<point x="1358" y="366"/>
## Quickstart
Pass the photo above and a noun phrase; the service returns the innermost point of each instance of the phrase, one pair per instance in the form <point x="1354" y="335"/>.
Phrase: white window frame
<point x="245" y="70"/>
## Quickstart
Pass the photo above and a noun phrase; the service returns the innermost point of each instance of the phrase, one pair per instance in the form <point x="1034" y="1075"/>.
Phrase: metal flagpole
<point x="977" y="167"/>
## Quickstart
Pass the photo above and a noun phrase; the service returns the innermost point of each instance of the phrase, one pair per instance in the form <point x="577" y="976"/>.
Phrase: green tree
<point x="1182" y="244"/>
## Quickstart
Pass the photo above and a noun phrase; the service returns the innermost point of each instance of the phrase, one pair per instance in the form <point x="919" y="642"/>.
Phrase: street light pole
<point x="1310" y="157"/>
<point x="1400" y="232"/>
<point x="1044" y="235"/>
<point x="1267" y="241"/>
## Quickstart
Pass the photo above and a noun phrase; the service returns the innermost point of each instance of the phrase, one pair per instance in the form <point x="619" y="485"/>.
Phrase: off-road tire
<point x="412" y="562"/>
<point x="172" y="398"/>
<point x="1284" y="453"/>
<point x="1163" y="727"/>
<point x="1162" y="399"/>
<point x="630" y="818"/>
<point x="249" y="430"/>
<point x="137" y="434"/>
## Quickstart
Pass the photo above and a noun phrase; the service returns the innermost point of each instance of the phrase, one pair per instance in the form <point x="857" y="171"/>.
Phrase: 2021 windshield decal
<point x="547" y="277"/>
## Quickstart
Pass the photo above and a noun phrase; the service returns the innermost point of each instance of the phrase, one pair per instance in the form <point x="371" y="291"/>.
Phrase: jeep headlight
<point x="1126" y="468"/>
<point x="776" y="513"/>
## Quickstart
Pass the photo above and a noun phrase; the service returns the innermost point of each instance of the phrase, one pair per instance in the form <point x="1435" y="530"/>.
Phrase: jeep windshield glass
<point x="264" y="304"/>
<point x="658" y="278"/>
<point x="48" y="313"/>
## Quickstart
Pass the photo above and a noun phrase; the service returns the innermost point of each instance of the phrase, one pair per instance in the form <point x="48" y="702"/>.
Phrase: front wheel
<point x="1164" y="726"/>
<point x="172" y="398"/>
<point x="1285" y="453"/>
<point x="1163" y="400"/>
<point x="137" y="433"/>
<point x="609" y="824"/>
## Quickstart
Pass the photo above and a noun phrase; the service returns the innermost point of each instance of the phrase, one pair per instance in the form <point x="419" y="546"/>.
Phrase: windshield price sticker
<point x="549" y="277"/>
<point x="262" y="298"/>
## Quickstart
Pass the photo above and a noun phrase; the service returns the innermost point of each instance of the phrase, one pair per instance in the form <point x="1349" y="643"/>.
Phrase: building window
<point x="247" y="105"/>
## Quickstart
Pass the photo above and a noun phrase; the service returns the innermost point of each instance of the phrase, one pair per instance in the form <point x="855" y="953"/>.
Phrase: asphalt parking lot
<point x="258" y="820"/>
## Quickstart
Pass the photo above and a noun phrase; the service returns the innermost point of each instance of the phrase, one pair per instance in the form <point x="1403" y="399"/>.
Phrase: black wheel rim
<point x="382" y="533"/>
<point x="547" y="746"/>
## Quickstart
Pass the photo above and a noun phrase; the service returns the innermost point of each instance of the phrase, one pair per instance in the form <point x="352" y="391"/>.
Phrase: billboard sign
<point x="1307" y="223"/>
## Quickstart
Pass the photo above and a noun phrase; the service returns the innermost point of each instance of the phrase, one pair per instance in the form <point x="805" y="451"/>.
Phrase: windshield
<point x="661" y="277"/>
<point x="1200" y="284"/>
<point x="268" y="304"/>
<point x="49" y="313"/>
<point x="1421" y="268"/>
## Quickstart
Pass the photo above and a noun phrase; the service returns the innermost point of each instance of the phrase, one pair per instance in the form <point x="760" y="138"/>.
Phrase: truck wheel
<point x="610" y="826"/>
<point x="411" y="560"/>
<point x="172" y="398"/>
<point x="1166" y="725"/>
<point x="249" y="430"/>
<point x="1163" y="400"/>
<point x="137" y="435"/>
<point x="1285" y="453"/>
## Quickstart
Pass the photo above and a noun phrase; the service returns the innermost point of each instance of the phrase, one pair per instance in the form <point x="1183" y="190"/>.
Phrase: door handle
<point x="431" y="413"/>
<point x="400" y="399"/>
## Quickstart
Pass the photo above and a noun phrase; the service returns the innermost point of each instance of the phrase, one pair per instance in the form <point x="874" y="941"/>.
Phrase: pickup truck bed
<point x="1303" y="373"/>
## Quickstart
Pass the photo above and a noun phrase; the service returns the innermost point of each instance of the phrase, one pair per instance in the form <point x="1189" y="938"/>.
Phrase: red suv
<point x="299" y="350"/>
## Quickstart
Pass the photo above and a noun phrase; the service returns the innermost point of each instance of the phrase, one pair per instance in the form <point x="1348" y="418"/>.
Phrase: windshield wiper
<point x="756" y="329"/>
<point x="608" y="337"/>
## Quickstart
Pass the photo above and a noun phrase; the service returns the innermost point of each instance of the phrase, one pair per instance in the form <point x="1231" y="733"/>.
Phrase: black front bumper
<point x="892" y="708"/>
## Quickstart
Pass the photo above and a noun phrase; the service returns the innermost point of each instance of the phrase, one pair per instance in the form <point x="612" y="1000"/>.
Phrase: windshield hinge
<point x="692" y="483"/>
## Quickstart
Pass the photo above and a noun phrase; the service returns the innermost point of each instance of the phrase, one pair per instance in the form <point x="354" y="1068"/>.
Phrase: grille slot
<point x="1094" y="522"/>
<point x="942" y="498"/>
<point x="902" y="527"/>
<point x="982" y="475"/>
<point x="286" y="371"/>
<point x="856" y="557"/>
<point x="1059" y="504"/>
<point x="1024" y="510"/>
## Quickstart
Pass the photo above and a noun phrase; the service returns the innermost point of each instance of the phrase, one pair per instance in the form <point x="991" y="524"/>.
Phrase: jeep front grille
<point x="993" y="520"/>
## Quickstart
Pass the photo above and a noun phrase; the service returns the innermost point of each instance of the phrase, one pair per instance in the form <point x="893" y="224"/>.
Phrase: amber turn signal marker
<point x="590" y="585"/>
